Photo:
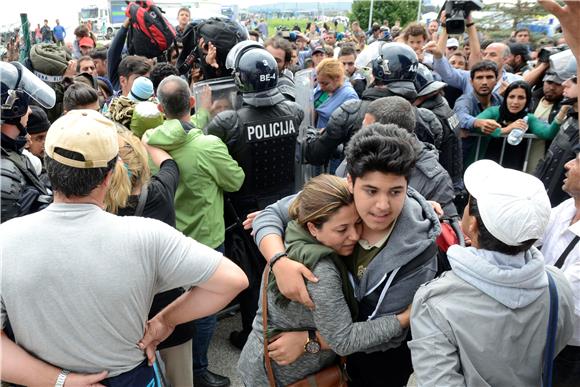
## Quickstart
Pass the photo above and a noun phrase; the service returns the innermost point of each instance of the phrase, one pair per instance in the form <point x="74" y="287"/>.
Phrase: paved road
<point x="223" y="357"/>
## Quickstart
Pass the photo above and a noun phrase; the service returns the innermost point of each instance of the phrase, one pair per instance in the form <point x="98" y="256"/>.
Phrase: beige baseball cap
<point x="86" y="132"/>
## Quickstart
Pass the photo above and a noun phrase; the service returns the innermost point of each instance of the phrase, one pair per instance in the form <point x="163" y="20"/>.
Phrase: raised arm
<point x="114" y="54"/>
<point x="474" y="45"/>
<point x="568" y="16"/>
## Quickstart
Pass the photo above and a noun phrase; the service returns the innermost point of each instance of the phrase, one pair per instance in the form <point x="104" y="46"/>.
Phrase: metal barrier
<point x="529" y="137"/>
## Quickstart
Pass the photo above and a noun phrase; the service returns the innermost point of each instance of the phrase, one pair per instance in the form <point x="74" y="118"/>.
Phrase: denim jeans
<point x="204" y="329"/>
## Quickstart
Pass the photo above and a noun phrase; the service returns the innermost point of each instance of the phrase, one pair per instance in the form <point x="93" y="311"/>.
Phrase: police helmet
<point x="425" y="82"/>
<point x="396" y="62"/>
<point x="18" y="86"/>
<point x="254" y="68"/>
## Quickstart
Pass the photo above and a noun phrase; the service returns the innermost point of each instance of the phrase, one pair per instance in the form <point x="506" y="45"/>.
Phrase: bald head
<point x="174" y="97"/>
<point x="498" y="53"/>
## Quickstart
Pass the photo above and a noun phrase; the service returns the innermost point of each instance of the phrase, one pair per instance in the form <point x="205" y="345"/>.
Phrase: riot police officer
<point x="563" y="147"/>
<point x="261" y="136"/>
<point x="429" y="96"/>
<point x="22" y="192"/>
<point x="394" y="70"/>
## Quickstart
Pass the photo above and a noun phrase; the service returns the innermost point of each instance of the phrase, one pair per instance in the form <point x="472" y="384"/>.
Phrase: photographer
<point x="496" y="52"/>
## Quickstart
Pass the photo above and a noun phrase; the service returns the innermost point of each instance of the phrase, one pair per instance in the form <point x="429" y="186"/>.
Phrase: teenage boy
<point x="395" y="255"/>
<point x="499" y="285"/>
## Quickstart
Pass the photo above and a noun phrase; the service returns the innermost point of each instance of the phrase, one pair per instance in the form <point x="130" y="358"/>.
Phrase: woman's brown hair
<point x="321" y="197"/>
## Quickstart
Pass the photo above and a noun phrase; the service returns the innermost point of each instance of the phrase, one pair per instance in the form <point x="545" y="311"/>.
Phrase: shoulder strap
<point x="267" y="360"/>
<point x="142" y="200"/>
<point x="560" y="262"/>
<point x="549" y="351"/>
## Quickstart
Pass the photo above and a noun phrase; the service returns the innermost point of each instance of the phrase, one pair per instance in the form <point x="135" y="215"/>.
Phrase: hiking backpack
<point x="150" y="34"/>
<point x="221" y="32"/>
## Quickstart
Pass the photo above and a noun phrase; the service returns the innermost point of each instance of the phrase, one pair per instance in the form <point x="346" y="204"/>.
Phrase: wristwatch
<point x="61" y="378"/>
<point x="312" y="345"/>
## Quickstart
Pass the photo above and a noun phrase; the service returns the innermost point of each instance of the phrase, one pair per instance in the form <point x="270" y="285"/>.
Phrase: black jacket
<point x="21" y="191"/>
<point x="347" y="120"/>
<point x="450" y="156"/>
<point x="262" y="139"/>
<point x="551" y="169"/>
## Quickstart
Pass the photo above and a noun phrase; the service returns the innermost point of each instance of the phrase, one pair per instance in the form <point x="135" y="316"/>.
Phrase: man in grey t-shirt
<point x="78" y="298"/>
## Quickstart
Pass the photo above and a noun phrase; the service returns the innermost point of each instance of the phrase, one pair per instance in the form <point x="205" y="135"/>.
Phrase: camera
<point x="288" y="35"/>
<point x="457" y="11"/>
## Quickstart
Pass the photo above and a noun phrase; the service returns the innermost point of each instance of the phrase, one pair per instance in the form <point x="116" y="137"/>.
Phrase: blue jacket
<point x="324" y="111"/>
<point x="467" y="107"/>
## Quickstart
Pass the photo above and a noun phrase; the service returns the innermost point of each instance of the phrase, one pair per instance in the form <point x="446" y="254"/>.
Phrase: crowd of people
<point x="394" y="201"/>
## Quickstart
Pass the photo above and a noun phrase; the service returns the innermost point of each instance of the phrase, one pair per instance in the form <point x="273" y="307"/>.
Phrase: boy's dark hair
<point x="132" y="64"/>
<point x="381" y="148"/>
<point x="487" y="241"/>
<point x="78" y="94"/>
<point x="484" y="65"/>
<point x="347" y="49"/>
<point x="160" y="72"/>
<point x="71" y="181"/>
<point x="99" y="53"/>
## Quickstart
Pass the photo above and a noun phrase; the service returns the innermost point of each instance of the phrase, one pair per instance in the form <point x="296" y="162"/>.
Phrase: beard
<point x="552" y="98"/>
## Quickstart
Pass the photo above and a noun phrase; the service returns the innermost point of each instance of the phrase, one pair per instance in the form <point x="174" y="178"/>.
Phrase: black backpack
<point x="222" y="33"/>
<point x="150" y="34"/>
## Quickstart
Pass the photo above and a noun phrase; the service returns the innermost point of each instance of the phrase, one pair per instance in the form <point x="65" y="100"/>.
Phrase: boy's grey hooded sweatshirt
<point x="415" y="231"/>
<point x="484" y="323"/>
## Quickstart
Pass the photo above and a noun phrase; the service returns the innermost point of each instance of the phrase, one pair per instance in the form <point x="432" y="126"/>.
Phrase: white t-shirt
<point x="78" y="282"/>
<point x="558" y="235"/>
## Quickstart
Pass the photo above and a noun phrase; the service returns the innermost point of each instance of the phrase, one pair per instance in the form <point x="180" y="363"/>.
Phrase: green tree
<point x="503" y="17"/>
<point x="391" y="10"/>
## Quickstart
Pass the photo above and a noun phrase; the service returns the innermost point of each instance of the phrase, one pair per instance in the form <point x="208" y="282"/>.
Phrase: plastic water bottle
<point x="516" y="135"/>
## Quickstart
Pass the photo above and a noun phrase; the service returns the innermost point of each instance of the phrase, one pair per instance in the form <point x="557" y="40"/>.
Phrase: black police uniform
<point x="261" y="136"/>
<point x="22" y="192"/>
<point x="262" y="139"/>
<point x="286" y="85"/>
<point x="450" y="156"/>
<point x="562" y="149"/>
<point x="348" y="118"/>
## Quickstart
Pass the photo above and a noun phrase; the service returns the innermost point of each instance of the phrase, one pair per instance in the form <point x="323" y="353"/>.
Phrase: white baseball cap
<point x="513" y="205"/>
<point x="452" y="42"/>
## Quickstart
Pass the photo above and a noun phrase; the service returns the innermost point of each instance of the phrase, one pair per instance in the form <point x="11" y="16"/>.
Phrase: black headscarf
<point x="505" y="116"/>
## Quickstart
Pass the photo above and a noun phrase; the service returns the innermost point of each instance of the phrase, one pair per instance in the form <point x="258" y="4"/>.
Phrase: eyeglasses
<point x="452" y="48"/>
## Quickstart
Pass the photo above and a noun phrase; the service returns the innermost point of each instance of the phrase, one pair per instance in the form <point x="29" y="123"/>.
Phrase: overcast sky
<point x="67" y="11"/>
